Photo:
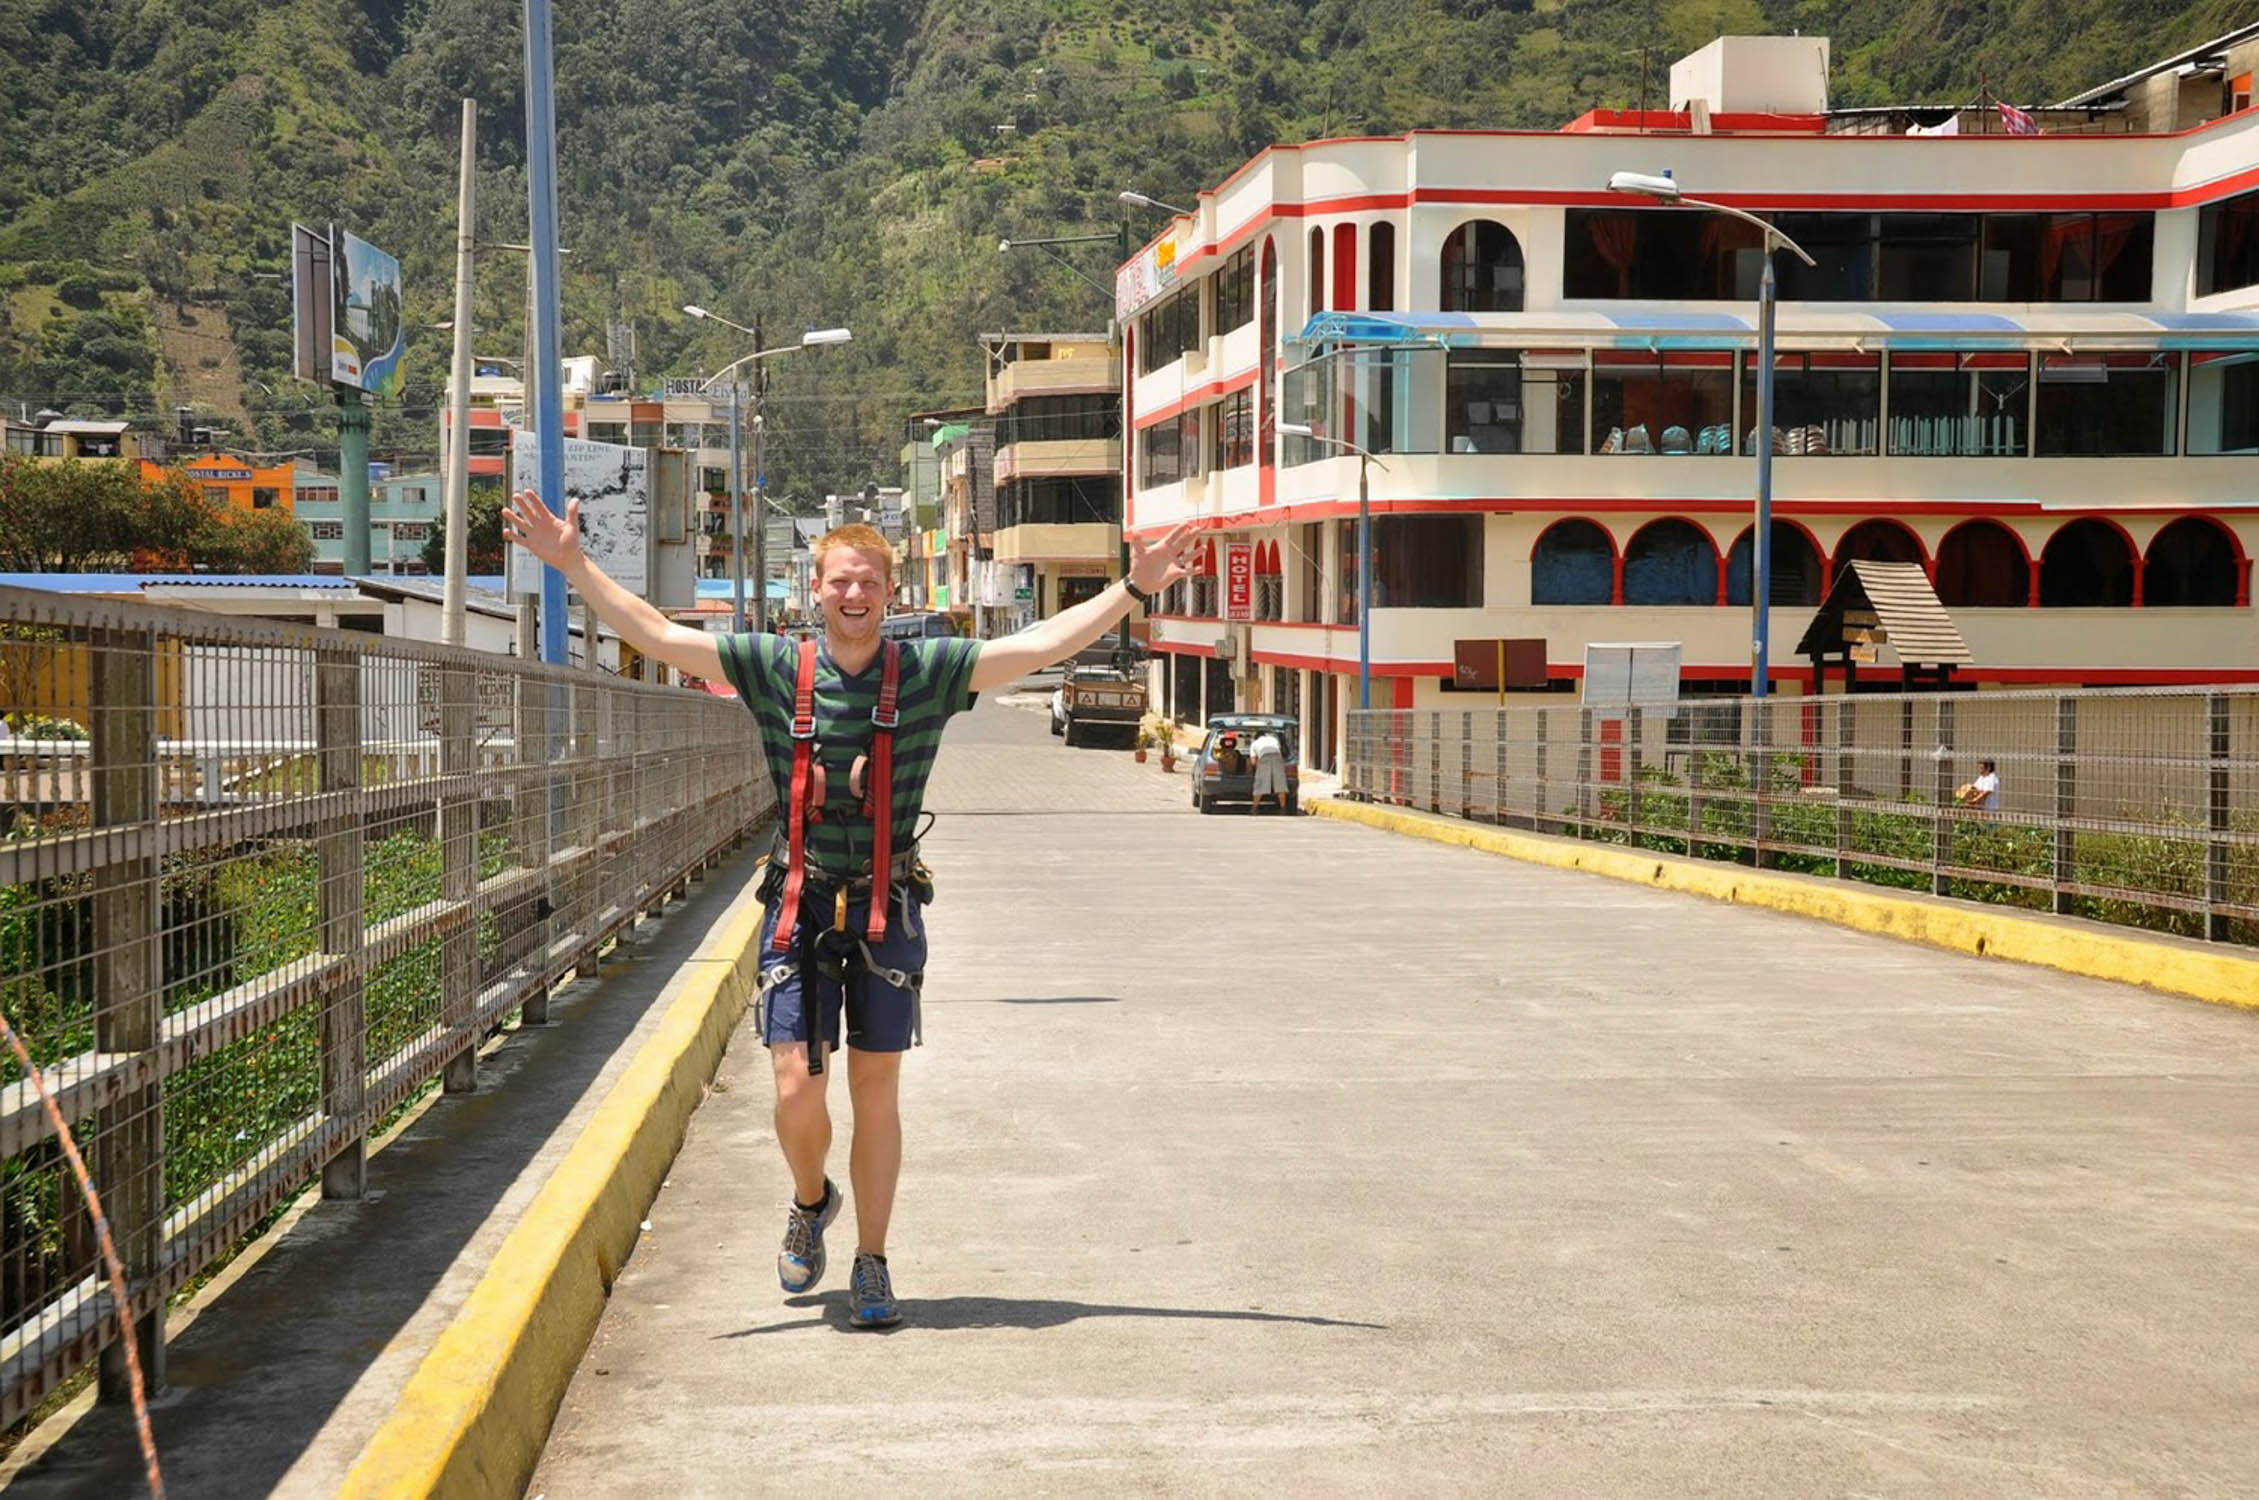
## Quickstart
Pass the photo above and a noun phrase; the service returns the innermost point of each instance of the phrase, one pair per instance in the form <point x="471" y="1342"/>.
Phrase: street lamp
<point x="1364" y="554"/>
<point x="1139" y="200"/>
<point x="813" y="338"/>
<point x="1663" y="189"/>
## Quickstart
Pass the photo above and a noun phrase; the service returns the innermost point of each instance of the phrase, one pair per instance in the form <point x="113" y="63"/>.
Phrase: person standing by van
<point x="823" y="710"/>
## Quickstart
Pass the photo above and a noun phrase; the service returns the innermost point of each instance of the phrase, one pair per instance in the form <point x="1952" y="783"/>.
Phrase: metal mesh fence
<point x="2133" y="807"/>
<point x="260" y="882"/>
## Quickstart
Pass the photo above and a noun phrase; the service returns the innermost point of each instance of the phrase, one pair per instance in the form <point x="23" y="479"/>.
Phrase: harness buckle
<point x="839" y="910"/>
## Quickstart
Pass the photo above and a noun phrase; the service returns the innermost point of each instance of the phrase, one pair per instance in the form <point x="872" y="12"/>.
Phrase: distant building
<point x="49" y="435"/>
<point x="404" y="512"/>
<point x="237" y="483"/>
<point x="1056" y="400"/>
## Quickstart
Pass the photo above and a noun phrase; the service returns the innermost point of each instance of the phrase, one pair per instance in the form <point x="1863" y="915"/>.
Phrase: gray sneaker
<point x="800" y="1263"/>
<point x="870" y="1294"/>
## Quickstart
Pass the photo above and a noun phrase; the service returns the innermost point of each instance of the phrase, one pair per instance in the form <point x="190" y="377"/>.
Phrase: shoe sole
<point x="816" y="1266"/>
<point x="857" y="1320"/>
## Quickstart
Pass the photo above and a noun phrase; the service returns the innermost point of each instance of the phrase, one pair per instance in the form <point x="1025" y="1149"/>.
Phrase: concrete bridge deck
<point x="1255" y="1154"/>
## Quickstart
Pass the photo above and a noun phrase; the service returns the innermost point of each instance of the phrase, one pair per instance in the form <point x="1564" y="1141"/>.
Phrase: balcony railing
<point x="260" y="884"/>
<point x="2134" y="807"/>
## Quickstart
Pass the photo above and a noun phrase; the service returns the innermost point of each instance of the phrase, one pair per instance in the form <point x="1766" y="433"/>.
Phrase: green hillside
<point x="834" y="161"/>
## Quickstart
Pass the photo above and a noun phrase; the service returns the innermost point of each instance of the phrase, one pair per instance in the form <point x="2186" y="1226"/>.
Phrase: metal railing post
<point x="1500" y="783"/>
<point x="1760" y="779"/>
<point x="129" y="1147"/>
<point x="1467" y="766"/>
<point x="1634" y="727"/>
<point x="1584" y="770"/>
<point x="1540" y="820"/>
<point x="529" y="828"/>
<point x="2066" y="864"/>
<point x="2216" y="870"/>
<point x="1941" y="850"/>
<point x="1435" y="759"/>
<point x="338" y="858"/>
<point x="1846" y="778"/>
<point x="458" y="864"/>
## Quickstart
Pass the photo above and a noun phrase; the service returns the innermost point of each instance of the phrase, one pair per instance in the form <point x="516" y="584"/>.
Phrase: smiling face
<point x="852" y="586"/>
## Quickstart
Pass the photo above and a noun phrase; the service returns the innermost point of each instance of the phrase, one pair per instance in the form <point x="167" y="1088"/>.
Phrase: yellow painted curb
<point x="2216" y="975"/>
<point x="475" y="1415"/>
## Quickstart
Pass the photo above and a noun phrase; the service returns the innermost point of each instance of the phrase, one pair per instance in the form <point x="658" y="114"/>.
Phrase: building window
<point x="1426" y="562"/>
<point x="1981" y="565"/>
<point x="1380" y="267"/>
<point x="215" y="494"/>
<point x="1062" y="419"/>
<point x="1060" y="500"/>
<point x="1169" y="451"/>
<point x="492" y="442"/>
<point x="1574" y="563"/>
<point x="1678" y="403"/>
<point x="2223" y="403"/>
<point x="1482" y="269"/>
<point x="714" y="481"/>
<point x="1514" y="401"/>
<point x="326" y="531"/>
<point x="1308" y="550"/>
<point x="411" y="531"/>
<point x="1959" y="405"/>
<point x="2191" y="563"/>
<point x="2087" y="565"/>
<point x="1928" y="257"/>
<point x="1172" y="330"/>
<point x="1234" y="427"/>
<point x="1235" y="291"/>
<point x="2106" y="405"/>
<point x="2227" y="245"/>
<point x="265" y="497"/>
<point x="1659" y="253"/>
<point x="1793" y="577"/>
<point x="1671" y="562"/>
<point x="1822" y="403"/>
<point x="24" y="440"/>
<point x="1878" y="541"/>
<point x="1316" y="270"/>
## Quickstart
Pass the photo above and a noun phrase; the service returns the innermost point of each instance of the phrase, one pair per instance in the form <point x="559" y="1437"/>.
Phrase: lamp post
<point x="1364" y="553"/>
<point x="811" y="339"/>
<point x="1663" y="189"/>
<point x="1140" y="200"/>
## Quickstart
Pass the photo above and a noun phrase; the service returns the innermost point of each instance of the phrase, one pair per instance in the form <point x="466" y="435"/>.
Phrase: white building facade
<point x="2028" y="363"/>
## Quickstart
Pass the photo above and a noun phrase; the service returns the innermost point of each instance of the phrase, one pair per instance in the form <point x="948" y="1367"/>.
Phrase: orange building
<point x="236" y="482"/>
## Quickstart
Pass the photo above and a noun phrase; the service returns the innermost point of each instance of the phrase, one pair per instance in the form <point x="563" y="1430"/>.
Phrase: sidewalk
<point x="1279" y="1155"/>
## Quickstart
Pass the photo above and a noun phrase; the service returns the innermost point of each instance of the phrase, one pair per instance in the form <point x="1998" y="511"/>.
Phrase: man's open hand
<point x="554" y="539"/>
<point x="1153" y="568"/>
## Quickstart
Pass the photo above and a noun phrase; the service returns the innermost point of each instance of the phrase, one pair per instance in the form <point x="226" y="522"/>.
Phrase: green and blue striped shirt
<point x="937" y="681"/>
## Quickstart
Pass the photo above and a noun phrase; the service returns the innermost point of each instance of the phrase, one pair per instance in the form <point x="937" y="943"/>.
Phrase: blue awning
<point x="1797" y="326"/>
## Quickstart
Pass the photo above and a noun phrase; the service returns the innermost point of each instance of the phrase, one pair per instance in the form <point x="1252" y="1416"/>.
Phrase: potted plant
<point x="1144" y="739"/>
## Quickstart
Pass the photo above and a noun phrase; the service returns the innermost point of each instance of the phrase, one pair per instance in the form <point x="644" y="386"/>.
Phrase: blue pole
<point x="547" y="371"/>
<point x="1761" y="535"/>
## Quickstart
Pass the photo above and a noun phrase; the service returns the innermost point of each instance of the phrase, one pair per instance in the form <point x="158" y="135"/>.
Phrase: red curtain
<point x="1616" y="237"/>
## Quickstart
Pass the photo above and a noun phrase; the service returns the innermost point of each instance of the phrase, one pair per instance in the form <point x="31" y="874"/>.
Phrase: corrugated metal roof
<point x="134" y="583"/>
<point x="1913" y="620"/>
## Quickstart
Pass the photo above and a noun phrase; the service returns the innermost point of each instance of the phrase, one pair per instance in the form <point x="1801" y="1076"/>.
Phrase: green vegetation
<point x="838" y="160"/>
<point x="71" y="516"/>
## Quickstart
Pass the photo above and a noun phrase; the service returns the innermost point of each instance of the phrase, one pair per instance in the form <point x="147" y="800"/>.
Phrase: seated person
<point x="1229" y="760"/>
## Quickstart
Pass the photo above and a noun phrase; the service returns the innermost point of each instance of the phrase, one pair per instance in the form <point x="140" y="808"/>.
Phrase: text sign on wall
<point x="1239" y="581"/>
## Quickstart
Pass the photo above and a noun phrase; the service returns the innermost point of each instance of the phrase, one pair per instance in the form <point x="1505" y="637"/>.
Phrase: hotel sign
<point x="1239" y="581"/>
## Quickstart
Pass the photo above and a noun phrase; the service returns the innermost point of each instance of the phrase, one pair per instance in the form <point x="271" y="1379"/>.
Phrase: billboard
<point x="613" y="485"/>
<point x="309" y="305"/>
<point x="367" y="331"/>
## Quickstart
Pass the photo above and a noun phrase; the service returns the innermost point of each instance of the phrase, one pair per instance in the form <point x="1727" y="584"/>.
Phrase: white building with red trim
<point x="2028" y="363"/>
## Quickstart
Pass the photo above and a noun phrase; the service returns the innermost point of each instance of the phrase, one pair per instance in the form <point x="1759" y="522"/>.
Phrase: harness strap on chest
<point x="803" y="763"/>
<point x="878" y="789"/>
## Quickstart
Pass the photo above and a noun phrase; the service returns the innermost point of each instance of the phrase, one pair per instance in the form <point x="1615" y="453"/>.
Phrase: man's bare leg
<point x="803" y="1119"/>
<point x="874" y="1160"/>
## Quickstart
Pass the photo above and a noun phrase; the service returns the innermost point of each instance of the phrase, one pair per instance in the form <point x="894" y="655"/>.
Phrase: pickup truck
<point x="1095" y="700"/>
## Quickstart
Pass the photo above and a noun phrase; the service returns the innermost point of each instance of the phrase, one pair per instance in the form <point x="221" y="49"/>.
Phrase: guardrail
<point x="259" y="883"/>
<point x="2139" y="807"/>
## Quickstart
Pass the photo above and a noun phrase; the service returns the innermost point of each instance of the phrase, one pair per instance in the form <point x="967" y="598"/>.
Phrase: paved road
<point x="1281" y="1155"/>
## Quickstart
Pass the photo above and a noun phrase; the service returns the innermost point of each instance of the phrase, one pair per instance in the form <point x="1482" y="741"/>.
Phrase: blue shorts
<point x="882" y="1016"/>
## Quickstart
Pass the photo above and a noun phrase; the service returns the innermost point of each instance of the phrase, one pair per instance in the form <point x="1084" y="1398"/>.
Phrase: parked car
<point x="1212" y="786"/>
<point x="1097" y="700"/>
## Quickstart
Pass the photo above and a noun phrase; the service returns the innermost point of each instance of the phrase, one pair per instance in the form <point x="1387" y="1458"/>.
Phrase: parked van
<point x="915" y="627"/>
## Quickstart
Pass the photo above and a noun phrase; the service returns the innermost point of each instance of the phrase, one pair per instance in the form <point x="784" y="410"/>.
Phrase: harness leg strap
<point x="811" y="999"/>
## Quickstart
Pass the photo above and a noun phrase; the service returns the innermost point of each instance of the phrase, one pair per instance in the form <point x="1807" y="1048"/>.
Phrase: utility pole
<point x="760" y="491"/>
<point x="736" y="505"/>
<point x="458" y="482"/>
<point x="352" y="463"/>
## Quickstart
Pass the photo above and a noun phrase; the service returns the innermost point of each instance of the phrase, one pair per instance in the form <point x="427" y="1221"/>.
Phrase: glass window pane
<point x="2227" y="245"/>
<point x="1959" y="405"/>
<point x="2223" y="403"/>
<point x="2106" y="405"/>
<point x="1843" y="245"/>
<point x="1823" y="403"/>
<point x="1928" y="257"/>
<point x="1671" y="404"/>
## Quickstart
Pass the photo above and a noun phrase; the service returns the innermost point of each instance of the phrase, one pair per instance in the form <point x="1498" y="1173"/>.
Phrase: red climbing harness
<point x="808" y="791"/>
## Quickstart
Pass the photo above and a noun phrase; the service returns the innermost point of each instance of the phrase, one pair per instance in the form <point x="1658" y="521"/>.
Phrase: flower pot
<point x="1138" y="755"/>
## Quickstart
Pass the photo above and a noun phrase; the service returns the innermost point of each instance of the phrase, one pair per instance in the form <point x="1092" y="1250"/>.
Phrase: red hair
<point x="856" y="537"/>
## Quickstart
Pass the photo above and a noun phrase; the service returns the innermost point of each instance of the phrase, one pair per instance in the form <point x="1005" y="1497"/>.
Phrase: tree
<point x="483" y="541"/>
<point x="68" y="516"/>
<point x="256" y="541"/>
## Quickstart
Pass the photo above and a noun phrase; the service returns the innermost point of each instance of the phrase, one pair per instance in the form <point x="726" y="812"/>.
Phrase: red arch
<point x="2235" y="548"/>
<point x="2023" y="550"/>
<point x="1836" y="560"/>
<point x="1725" y="555"/>
<point x="1565" y="520"/>
<point x="2134" y="554"/>
<point x="1717" y="558"/>
<point x="1615" y="553"/>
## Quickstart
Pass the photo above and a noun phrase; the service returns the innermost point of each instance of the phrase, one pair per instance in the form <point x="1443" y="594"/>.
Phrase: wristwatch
<point x="1135" y="592"/>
